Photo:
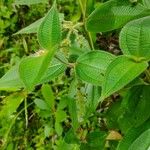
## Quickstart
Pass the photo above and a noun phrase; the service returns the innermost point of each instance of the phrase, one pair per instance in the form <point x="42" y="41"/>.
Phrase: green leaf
<point x="41" y="104"/>
<point x="73" y="112"/>
<point x="48" y="95"/>
<point x="91" y="66"/>
<point x="54" y="70"/>
<point x="146" y="3"/>
<point x="32" y="68"/>
<point x="134" y="38"/>
<point x="142" y="142"/>
<point x="93" y="95"/>
<point x="29" y="2"/>
<point x="114" y="14"/>
<point x="11" y="81"/>
<point x="49" y="33"/>
<point x="137" y="98"/>
<point x="32" y="28"/>
<point x="132" y="135"/>
<point x="119" y="73"/>
<point x="11" y="103"/>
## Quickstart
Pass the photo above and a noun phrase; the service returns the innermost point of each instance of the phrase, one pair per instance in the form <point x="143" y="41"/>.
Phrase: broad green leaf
<point x="137" y="98"/>
<point x="48" y="95"/>
<point x="32" y="28"/>
<point x="11" y="81"/>
<point x="143" y="142"/>
<point x="29" y="2"/>
<point x="11" y="103"/>
<point x="32" y="68"/>
<point x="134" y="38"/>
<point x="114" y="14"/>
<point x="41" y="104"/>
<point x="49" y="33"/>
<point x="119" y="73"/>
<point x="132" y="135"/>
<point x="91" y="66"/>
<point x="146" y="3"/>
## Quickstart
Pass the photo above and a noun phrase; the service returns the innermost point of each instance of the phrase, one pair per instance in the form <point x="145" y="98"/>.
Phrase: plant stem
<point x="83" y="10"/>
<point x="10" y="127"/>
<point x="26" y="112"/>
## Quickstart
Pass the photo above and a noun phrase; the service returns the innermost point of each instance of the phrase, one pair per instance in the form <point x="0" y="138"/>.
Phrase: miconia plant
<point x="97" y="85"/>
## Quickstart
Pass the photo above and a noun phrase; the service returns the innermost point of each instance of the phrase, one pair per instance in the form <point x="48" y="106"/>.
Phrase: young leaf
<point x="49" y="33"/>
<point x="48" y="95"/>
<point x="91" y="66"/>
<point x="114" y="14"/>
<point x="11" y="80"/>
<point x="41" y="104"/>
<point x="142" y="142"/>
<point x="12" y="102"/>
<point x="119" y="73"/>
<point x="32" y="68"/>
<point x="134" y="38"/>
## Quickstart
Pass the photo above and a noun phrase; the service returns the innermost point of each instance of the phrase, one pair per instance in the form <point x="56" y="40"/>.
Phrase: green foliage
<point x="119" y="73"/>
<point x="114" y="14"/>
<point x="67" y="95"/>
<point x="91" y="66"/>
<point x="49" y="32"/>
<point x="134" y="38"/>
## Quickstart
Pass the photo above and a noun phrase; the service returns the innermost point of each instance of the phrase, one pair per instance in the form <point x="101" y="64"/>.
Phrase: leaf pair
<point x="104" y="69"/>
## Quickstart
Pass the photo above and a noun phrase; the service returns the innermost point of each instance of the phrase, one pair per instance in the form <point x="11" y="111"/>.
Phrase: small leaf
<point x="12" y="102"/>
<point x="11" y="80"/>
<point x="41" y="104"/>
<point x="73" y="112"/>
<point x="49" y="33"/>
<point x="119" y="73"/>
<point x="134" y="38"/>
<point x="48" y="95"/>
<point x="114" y="14"/>
<point x="91" y="66"/>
